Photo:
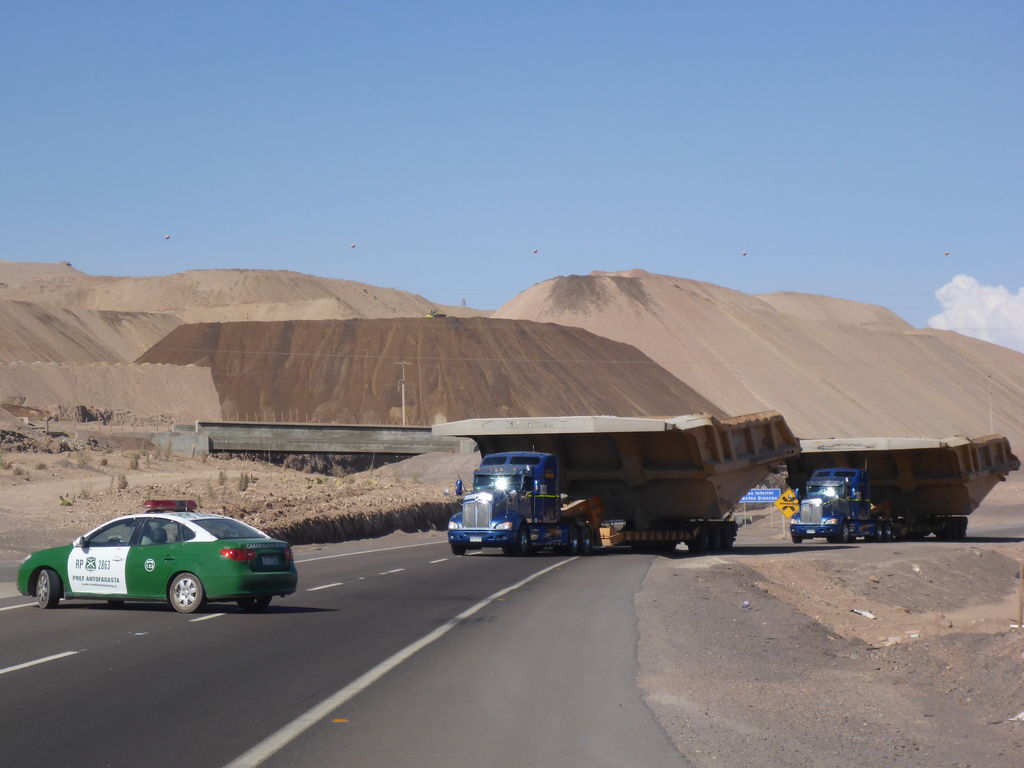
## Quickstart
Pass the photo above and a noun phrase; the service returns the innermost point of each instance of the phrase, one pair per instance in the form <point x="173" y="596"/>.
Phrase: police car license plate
<point x="476" y="539"/>
<point x="271" y="559"/>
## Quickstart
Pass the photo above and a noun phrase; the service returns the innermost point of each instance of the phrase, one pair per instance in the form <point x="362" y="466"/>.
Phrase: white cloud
<point x="985" y="312"/>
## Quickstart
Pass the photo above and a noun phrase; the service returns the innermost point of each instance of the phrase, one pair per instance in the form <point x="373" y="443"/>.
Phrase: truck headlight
<point x="454" y="525"/>
<point x="506" y="526"/>
<point x="829" y="521"/>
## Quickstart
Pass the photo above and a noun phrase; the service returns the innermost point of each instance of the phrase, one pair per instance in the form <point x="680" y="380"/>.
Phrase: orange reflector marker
<point x="340" y="720"/>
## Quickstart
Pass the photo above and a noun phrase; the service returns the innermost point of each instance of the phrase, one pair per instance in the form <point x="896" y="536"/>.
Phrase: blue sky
<point x="844" y="147"/>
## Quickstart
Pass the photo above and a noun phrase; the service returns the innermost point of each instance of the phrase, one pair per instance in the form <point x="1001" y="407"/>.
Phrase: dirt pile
<point x="832" y="367"/>
<point x="216" y="295"/>
<point x="164" y="393"/>
<point x="42" y="333"/>
<point x="350" y="371"/>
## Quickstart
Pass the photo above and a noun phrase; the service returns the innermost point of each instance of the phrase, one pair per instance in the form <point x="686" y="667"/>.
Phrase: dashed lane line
<point x="19" y="605"/>
<point x="326" y="586"/>
<point x="209" y="616"/>
<point x="287" y="734"/>
<point x="432" y="562"/>
<point x="370" y="551"/>
<point x="396" y="570"/>
<point x="56" y="656"/>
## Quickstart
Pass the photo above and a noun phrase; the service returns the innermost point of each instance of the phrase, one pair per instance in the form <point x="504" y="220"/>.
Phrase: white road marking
<point x="396" y="570"/>
<point x="208" y="616"/>
<point x="326" y="586"/>
<point x="369" y="551"/>
<point x="284" y="736"/>
<point x="37" y="661"/>
<point x="443" y="559"/>
<point x="19" y="605"/>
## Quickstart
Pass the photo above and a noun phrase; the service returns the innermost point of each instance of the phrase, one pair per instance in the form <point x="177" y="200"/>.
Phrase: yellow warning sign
<point x="788" y="504"/>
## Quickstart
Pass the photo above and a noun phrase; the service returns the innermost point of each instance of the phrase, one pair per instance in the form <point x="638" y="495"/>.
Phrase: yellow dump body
<point x="914" y="477"/>
<point x="649" y="472"/>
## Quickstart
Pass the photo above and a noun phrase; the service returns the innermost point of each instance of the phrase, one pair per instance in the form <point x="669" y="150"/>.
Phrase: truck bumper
<point x="809" y="531"/>
<point x="477" y="539"/>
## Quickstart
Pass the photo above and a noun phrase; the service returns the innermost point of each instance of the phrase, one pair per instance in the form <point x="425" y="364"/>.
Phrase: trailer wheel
<point x="586" y="541"/>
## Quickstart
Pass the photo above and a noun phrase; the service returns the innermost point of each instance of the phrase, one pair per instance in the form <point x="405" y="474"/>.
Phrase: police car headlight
<point x="454" y="525"/>
<point x="506" y="526"/>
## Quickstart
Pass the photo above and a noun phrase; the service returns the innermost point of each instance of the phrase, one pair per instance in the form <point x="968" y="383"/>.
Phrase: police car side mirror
<point x="79" y="542"/>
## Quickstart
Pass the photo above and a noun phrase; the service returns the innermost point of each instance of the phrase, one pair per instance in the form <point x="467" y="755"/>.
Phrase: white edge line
<point x="37" y="661"/>
<point x="370" y="551"/>
<point x="326" y="586"/>
<point x="12" y="607"/>
<point x="208" y="616"/>
<point x="288" y="733"/>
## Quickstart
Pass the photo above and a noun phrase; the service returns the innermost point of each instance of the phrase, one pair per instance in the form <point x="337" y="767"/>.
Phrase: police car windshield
<point x="227" y="528"/>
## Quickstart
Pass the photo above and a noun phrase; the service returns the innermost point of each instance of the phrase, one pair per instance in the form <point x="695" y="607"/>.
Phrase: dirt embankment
<point x="351" y="371"/>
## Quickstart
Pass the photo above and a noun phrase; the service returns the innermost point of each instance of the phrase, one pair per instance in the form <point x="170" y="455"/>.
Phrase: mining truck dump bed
<point x="649" y="472"/>
<point x="914" y="476"/>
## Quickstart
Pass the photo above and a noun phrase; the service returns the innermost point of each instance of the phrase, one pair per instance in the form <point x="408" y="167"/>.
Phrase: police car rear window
<point x="229" y="529"/>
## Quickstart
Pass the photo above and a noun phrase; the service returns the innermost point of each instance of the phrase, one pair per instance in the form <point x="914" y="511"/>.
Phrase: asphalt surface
<point x="544" y="674"/>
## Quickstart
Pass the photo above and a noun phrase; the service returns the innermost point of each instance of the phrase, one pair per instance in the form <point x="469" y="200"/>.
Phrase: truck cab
<point x="514" y="499"/>
<point x="835" y="504"/>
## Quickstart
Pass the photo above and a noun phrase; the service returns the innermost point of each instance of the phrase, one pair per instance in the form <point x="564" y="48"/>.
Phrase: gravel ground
<point x="756" y="658"/>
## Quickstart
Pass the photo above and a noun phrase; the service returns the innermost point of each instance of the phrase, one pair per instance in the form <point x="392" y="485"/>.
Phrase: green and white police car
<point x="169" y="553"/>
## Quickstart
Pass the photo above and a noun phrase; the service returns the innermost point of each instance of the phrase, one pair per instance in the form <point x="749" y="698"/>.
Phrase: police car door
<point x="97" y="567"/>
<point x="151" y="562"/>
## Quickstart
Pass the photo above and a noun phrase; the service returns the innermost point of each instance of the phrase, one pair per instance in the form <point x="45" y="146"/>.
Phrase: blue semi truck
<point x="515" y="505"/>
<point x="835" y="505"/>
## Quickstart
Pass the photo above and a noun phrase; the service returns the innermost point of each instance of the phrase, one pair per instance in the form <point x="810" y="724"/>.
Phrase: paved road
<point x="542" y="675"/>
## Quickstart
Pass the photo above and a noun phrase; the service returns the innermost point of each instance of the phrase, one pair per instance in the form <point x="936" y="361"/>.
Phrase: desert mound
<point x="216" y="295"/>
<point x="38" y="332"/>
<point x="119" y="393"/>
<point x="349" y="371"/>
<point x="832" y="367"/>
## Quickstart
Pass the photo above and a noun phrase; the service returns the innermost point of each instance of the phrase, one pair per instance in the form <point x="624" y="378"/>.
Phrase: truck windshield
<point x="822" y="491"/>
<point x="497" y="482"/>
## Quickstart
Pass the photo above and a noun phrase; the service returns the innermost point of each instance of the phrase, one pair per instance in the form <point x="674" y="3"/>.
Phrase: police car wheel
<point x="186" y="594"/>
<point x="254" y="604"/>
<point x="48" y="588"/>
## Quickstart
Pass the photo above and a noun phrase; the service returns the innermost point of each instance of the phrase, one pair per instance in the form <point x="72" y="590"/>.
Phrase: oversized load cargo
<point x="668" y="481"/>
<point x="920" y="485"/>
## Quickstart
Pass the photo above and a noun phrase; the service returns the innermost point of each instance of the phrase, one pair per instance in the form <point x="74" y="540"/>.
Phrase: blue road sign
<point x="761" y="496"/>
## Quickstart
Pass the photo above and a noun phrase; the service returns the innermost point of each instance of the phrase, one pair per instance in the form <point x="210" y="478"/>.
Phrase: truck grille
<point x="810" y="513"/>
<point x="476" y="514"/>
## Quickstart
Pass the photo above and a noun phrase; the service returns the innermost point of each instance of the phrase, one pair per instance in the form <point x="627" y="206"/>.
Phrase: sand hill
<point x="216" y="295"/>
<point x="832" y="367"/>
<point x="38" y="332"/>
<point x="348" y="371"/>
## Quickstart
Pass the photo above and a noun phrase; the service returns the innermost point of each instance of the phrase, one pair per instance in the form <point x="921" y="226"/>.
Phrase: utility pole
<point x="401" y="383"/>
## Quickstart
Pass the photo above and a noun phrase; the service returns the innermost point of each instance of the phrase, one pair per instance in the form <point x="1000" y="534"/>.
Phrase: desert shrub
<point x="133" y="461"/>
<point x="103" y="461"/>
<point x="243" y="481"/>
<point x="122" y="482"/>
<point x="222" y="477"/>
<point x="84" y="493"/>
<point x="81" y="458"/>
<point x="40" y="465"/>
<point x="66" y="502"/>
<point x="18" y="470"/>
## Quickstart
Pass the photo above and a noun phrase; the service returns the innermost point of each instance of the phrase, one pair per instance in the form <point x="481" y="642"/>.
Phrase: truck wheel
<point x="522" y="546"/>
<point x="796" y="538"/>
<point x="586" y="541"/>
<point x="698" y="543"/>
<point x="458" y="549"/>
<point x="715" y="538"/>
<point x="847" y="535"/>
<point x="573" y="547"/>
